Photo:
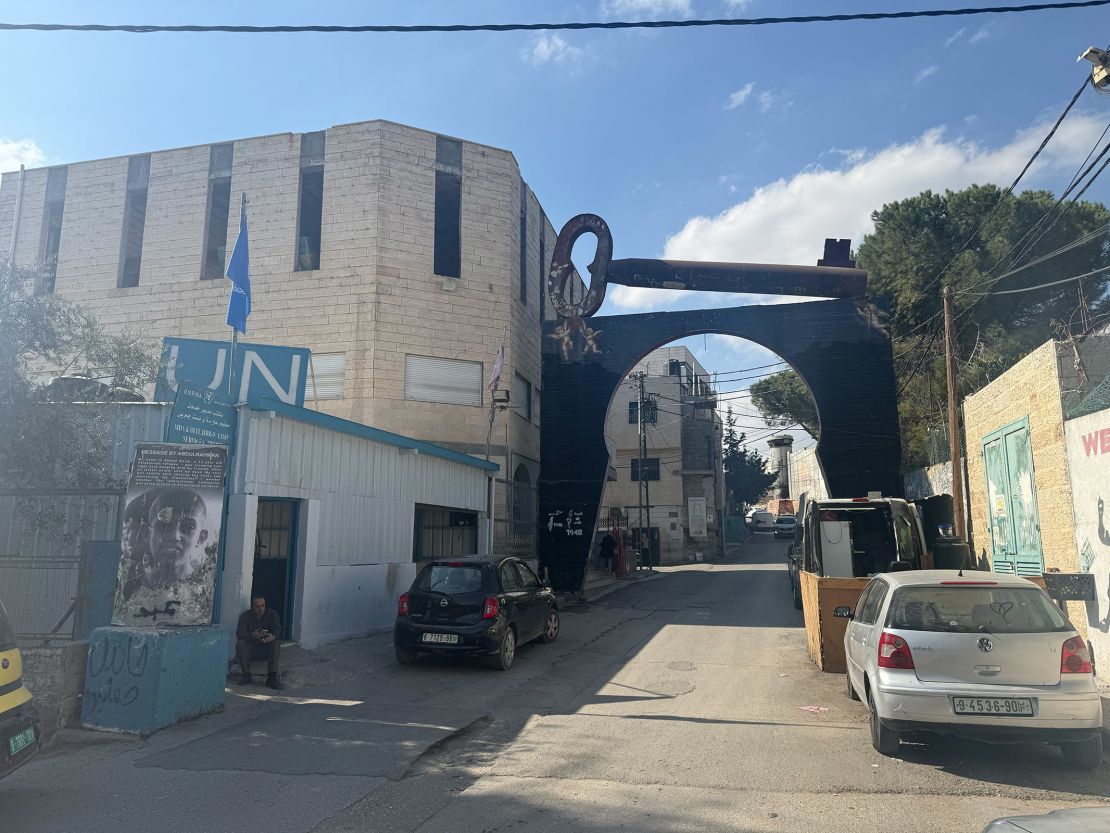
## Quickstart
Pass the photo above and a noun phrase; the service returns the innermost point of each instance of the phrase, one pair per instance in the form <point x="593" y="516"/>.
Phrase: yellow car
<point x="19" y="721"/>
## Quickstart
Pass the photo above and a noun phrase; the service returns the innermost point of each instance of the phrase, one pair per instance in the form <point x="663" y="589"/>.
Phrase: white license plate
<point x="441" y="638"/>
<point x="1003" y="706"/>
<point x="20" y="741"/>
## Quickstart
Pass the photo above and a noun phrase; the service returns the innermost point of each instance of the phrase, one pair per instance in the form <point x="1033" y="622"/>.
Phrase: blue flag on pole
<point x="239" y="273"/>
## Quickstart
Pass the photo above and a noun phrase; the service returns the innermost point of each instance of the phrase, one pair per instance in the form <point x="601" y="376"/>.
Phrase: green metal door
<point x="1012" y="501"/>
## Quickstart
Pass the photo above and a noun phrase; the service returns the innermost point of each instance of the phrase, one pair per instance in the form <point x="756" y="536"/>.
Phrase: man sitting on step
<point x="257" y="639"/>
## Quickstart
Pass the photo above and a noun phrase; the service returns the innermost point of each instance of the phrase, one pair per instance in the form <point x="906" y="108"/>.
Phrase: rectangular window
<point x="439" y="532"/>
<point x="651" y="469"/>
<point x="310" y="206"/>
<point x="452" y="382"/>
<point x="651" y="412"/>
<point x="543" y="266"/>
<point x="674" y="367"/>
<point x="522" y="396"/>
<point x="52" y="228"/>
<point x="325" y="376"/>
<point x="219" y="205"/>
<point x="447" y="253"/>
<point x="523" y="243"/>
<point x="134" y="220"/>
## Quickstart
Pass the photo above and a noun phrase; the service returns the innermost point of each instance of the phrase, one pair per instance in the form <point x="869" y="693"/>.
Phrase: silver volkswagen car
<point x="979" y="655"/>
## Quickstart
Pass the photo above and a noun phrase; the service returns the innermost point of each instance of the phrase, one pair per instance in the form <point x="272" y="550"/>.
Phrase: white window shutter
<point x="326" y="376"/>
<point x="449" y="381"/>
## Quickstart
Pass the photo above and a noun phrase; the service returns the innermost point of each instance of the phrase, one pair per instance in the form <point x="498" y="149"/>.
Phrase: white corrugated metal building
<point x="328" y="518"/>
<point x="335" y="517"/>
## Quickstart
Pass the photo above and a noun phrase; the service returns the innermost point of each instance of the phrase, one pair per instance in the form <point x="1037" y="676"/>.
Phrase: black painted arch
<point x="841" y="348"/>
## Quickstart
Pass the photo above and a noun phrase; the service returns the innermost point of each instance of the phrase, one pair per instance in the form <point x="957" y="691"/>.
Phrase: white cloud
<point x="981" y="35"/>
<point x="767" y="100"/>
<point x="925" y="73"/>
<point x="739" y="5"/>
<point x="634" y="9"/>
<point x="551" y="48"/>
<point x="740" y="96"/>
<point x="959" y="33"/>
<point x="787" y="221"/>
<point x="16" y="152"/>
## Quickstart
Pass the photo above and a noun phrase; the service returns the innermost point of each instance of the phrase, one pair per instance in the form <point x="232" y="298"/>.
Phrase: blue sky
<point x="775" y="137"/>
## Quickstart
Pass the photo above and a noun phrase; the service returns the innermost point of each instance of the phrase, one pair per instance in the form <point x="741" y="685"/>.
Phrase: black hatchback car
<point x="474" y="607"/>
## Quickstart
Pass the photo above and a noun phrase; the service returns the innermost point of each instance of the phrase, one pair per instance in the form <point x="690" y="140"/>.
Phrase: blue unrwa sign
<point x="260" y="371"/>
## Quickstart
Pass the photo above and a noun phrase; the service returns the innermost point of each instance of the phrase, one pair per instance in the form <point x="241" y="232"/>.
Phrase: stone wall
<point x="806" y="475"/>
<point x="56" y="677"/>
<point x="1031" y="389"/>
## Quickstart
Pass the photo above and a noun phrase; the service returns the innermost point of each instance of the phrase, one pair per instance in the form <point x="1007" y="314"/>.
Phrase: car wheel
<point x="405" y="656"/>
<point x="851" y="688"/>
<point x="886" y="741"/>
<point x="551" y="629"/>
<point x="1083" y="754"/>
<point x="506" y="652"/>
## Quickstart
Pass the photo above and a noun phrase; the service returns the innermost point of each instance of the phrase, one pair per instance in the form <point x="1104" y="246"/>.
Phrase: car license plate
<point x="1003" y="706"/>
<point x="19" y="742"/>
<point x="441" y="638"/>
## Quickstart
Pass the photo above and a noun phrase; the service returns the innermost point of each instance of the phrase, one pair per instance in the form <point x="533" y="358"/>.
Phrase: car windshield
<point x="788" y="521"/>
<point x="990" y="609"/>
<point x="450" y="579"/>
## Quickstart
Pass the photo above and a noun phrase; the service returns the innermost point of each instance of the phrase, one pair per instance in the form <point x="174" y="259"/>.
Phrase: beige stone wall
<point x="374" y="298"/>
<point x="1031" y="388"/>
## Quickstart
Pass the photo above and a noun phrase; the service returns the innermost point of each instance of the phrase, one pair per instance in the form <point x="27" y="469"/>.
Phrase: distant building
<point x="684" y="463"/>
<point x="400" y="257"/>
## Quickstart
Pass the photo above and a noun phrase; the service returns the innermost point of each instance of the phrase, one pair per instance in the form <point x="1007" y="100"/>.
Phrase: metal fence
<point x="40" y="556"/>
<point x="514" y="524"/>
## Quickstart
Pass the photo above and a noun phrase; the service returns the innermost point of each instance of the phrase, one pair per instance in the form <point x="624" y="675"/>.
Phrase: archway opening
<point x="699" y="430"/>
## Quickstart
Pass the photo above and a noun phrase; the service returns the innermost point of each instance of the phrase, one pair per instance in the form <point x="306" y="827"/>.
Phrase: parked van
<point x="855" y="538"/>
<point x="20" y="730"/>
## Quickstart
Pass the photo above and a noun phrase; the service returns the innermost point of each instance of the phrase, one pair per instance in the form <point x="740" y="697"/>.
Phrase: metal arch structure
<point x="840" y="347"/>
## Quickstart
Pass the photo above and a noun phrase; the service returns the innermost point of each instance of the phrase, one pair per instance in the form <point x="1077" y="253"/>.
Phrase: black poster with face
<point x="171" y="533"/>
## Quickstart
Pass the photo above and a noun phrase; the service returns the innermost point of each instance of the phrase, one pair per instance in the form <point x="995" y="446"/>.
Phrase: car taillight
<point x="894" y="652"/>
<point x="1074" y="658"/>
<point x="403" y="605"/>
<point x="491" y="608"/>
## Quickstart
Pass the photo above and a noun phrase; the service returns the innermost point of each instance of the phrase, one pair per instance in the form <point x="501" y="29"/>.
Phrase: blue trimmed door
<point x="1012" y="501"/>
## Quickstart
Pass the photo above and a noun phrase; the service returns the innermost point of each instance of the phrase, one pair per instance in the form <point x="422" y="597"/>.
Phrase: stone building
<point x="683" y="466"/>
<point x="400" y="257"/>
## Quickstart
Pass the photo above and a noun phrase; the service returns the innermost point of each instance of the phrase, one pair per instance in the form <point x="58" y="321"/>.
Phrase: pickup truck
<point x="854" y="537"/>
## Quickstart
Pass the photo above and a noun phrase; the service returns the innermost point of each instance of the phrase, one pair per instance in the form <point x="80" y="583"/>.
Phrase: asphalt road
<point x="676" y="704"/>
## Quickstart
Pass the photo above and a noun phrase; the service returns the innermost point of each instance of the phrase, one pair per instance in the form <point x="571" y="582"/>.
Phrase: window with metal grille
<point x="651" y="412"/>
<point x="651" y="469"/>
<point x="52" y="211"/>
<point x="310" y="208"/>
<point x="522" y="396"/>
<point x="447" y="253"/>
<point x="326" y="375"/>
<point x="449" y="381"/>
<point x="219" y="205"/>
<point x="134" y="220"/>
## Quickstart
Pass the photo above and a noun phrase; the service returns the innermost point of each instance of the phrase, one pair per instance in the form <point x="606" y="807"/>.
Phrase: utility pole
<point x="641" y="483"/>
<point x="953" y="419"/>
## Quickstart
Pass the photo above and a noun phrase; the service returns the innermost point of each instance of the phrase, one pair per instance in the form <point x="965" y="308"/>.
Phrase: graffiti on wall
<point x="1088" y="446"/>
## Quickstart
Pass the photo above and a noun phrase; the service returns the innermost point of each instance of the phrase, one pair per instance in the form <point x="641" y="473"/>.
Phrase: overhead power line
<point x="1101" y="271"/>
<point x="145" y="29"/>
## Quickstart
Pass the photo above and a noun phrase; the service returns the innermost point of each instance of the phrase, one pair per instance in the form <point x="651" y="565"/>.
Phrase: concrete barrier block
<point x="140" y="680"/>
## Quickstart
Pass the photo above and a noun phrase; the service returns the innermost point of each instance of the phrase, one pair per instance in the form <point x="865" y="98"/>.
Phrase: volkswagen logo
<point x="443" y="603"/>
<point x="985" y="645"/>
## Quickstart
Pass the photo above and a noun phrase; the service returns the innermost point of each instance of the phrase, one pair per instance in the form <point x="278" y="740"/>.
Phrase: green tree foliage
<point x="45" y="441"/>
<point x="784" y="401"/>
<point x="746" y="475"/>
<point x="907" y="258"/>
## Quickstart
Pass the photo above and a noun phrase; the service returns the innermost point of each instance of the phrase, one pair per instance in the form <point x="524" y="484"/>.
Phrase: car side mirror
<point x="844" y="612"/>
